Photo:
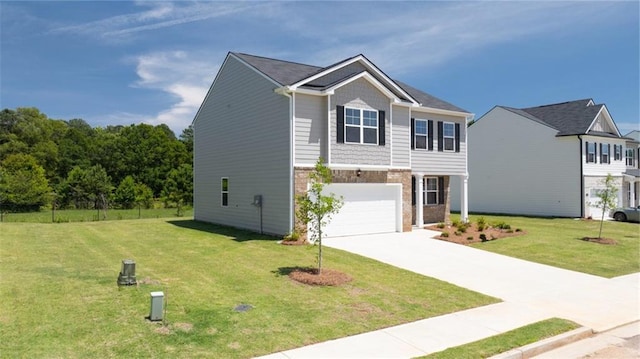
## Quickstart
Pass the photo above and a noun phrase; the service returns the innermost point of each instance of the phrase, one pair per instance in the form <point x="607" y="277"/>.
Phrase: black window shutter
<point x="381" y="124"/>
<point x="413" y="190"/>
<point x="609" y="152"/>
<point x="457" y="137"/>
<point x="340" y="124"/>
<point x="440" y="136"/>
<point x="586" y="151"/>
<point x="430" y="134"/>
<point x="440" y="190"/>
<point x="413" y="139"/>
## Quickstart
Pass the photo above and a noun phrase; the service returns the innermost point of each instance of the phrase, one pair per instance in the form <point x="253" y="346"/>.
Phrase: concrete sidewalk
<point x="531" y="292"/>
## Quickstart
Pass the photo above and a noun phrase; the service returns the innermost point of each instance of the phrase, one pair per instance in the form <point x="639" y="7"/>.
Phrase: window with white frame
<point x="630" y="159"/>
<point x="224" y="190"/>
<point x="449" y="136"/>
<point x="605" y="153"/>
<point x="421" y="134"/>
<point x="361" y="126"/>
<point x="591" y="152"/>
<point x="430" y="194"/>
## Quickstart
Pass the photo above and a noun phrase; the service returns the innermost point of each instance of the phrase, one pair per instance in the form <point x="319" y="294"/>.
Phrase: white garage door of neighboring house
<point x="592" y="208"/>
<point x="368" y="208"/>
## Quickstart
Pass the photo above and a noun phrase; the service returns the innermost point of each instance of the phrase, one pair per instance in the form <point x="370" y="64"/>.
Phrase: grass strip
<point x="506" y="341"/>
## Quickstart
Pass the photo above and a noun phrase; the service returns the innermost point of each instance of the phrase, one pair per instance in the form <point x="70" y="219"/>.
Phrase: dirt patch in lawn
<point x="327" y="277"/>
<point x="298" y="242"/>
<point x="607" y="241"/>
<point x="471" y="234"/>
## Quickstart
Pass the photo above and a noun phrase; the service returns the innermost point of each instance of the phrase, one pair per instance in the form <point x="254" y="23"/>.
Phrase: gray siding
<point x="360" y="94"/>
<point x="242" y="132"/>
<point x="519" y="166"/>
<point x="310" y="128"/>
<point x="435" y="162"/>
<point x="401" y="136"/>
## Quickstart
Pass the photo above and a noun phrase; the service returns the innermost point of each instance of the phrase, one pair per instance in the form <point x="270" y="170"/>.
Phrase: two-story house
<point x="547" y="160"/>
<point x="264" y="123"/>
<point x="631" y="178"/>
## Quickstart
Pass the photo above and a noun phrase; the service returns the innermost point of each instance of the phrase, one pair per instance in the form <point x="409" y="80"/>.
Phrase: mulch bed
<point x="327" y="277"/>
<point x="299" y="242"/>
<point x="607" y="241"/>
<point x="472" y="235"/>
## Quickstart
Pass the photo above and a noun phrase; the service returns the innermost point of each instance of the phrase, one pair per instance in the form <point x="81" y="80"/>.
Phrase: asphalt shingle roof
<point x="569" y="118"/>
<point x="288" y="73"/>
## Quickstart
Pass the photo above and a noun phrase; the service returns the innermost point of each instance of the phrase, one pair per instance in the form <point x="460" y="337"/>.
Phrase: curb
<point x="546" y="345"/>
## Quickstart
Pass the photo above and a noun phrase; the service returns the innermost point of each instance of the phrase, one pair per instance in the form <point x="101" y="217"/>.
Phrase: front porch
<point x="430" y="198"/>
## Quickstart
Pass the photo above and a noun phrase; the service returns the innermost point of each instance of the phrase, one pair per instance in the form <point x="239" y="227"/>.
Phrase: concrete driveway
<point x="530" y="292"/>
<point x="596" y="302"/>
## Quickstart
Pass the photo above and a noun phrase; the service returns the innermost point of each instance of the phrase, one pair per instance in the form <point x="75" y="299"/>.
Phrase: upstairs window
<point x="421" y="134"/>
<point x="617" y="152"/>
<point x="591" y="152"/>
<point x="361" y="126"/>
<point x="630" y="159"/>
<point x="449" y="136"/>
<point x="225" y="191"/>
<point x="604" y="153"/>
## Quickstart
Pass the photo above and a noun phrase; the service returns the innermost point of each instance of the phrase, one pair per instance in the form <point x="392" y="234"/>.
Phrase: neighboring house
<point x="631" y="185"/>
<point x="547" y="160"/>
<point x="264" y="123"/>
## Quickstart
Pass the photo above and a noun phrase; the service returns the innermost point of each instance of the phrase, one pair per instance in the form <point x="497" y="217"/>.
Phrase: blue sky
<point x="115" y="62"/>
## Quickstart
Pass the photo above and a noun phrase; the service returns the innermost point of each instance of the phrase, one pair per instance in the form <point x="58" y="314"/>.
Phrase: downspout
<point x="582" y="194"/>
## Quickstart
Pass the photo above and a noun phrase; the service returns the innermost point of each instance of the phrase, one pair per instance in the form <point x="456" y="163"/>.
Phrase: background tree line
<point x="45" y="160"/>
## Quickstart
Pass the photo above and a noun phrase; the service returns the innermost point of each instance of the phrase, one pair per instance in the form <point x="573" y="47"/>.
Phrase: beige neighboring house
<point x="548" y="160"/>
<point x="264" y="123"/>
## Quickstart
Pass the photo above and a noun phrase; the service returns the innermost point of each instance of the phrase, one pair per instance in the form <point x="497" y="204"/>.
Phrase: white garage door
<point x="368" y="208"/>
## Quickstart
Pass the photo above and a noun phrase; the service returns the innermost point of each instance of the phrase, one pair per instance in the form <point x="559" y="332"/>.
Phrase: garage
<point x="368" y="208"/>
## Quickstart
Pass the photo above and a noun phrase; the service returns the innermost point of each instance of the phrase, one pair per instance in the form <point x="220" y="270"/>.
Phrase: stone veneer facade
<point x="301" y="178"/>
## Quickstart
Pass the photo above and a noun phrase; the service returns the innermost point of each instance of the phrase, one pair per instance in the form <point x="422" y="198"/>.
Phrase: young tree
<point x="23" y="185"/>
<point x="608" y="197"/>
<point x="178" y="186"/>
<point x="144" y="196"/>
<point x="315" y="207"/>
<point x="125" y="195"/>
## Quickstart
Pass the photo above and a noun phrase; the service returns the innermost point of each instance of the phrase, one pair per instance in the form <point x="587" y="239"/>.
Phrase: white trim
<point x="368" y="77"/>
<point x="438" y="111"/>
<point x="444" y="149"/>
<point x="415" y="134"/>
<point x="367" y="63"/>
<point x="390" y="134"/>
<point x="329" y="128"/>
<point x="426" y="190"/>
<point x="361" y="126"/>
<point x="340" y="166"/>
<point x="608" y="117"/>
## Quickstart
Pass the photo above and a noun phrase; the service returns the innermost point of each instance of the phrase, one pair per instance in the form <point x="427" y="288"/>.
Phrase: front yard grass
<point x="557" y="242"/>
<point x="506" y="341"/>
<point x="60" y="299"/>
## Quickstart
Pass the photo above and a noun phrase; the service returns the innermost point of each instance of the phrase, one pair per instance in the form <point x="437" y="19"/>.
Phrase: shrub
<point x="444" y="234"/>
<point x="441" y="225"/>
<point x="481" y="223"/>
<point x="455" y="223"/>
<point x="518" y="230"/>
<point x="483" y="237"/>
<point x="501" y="225"/>
<point x="470" y="238"/>
<point x="291" y="237"/>
<point x="457" y="233"/>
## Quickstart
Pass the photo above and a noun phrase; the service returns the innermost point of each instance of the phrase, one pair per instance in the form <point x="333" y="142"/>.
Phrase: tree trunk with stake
<point x="608" y="196"/>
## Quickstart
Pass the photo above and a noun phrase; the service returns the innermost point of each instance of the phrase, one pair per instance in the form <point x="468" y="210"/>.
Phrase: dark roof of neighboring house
<point x="288" y="73"/>
<point x="569" y="118"/>
<point x="635" y="135"/>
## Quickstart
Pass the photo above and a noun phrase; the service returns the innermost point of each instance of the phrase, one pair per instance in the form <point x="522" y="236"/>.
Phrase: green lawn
<point x="506" y="341"/>
<point x="557" y="242"/>
<point x="60" y="299"/>
<point x="85" y="215"/>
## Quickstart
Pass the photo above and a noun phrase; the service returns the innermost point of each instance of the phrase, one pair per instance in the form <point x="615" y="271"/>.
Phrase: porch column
<point x="632" y="193"/>
<point x="464" y="199"/>
<point x="419" y="200"/>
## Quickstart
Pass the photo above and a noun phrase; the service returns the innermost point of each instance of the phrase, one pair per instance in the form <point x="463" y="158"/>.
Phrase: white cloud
<point x="186" y="77"/>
